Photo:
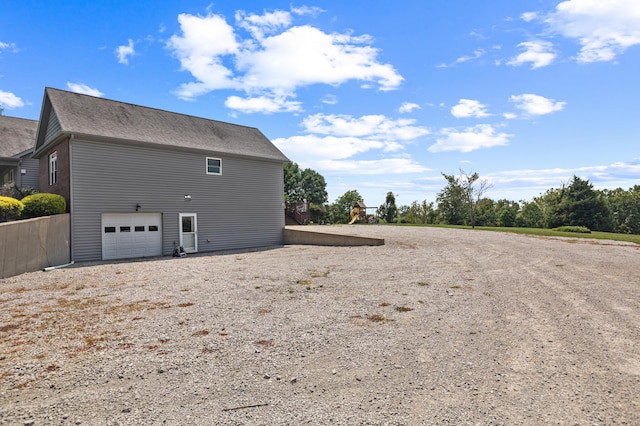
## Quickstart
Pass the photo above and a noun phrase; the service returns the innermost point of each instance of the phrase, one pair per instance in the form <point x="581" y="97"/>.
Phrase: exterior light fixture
<point x="138" y="207"/>
<point x="187" y="197"/>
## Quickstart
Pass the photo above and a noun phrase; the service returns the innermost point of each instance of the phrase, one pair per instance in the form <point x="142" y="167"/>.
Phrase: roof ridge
<point x="17" y="118"/>
<point x="149" y="108"/>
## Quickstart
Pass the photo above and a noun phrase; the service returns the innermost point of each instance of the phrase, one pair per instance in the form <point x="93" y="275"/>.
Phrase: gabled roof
<point x="86" y="116"/>
<point x="17" y="135"/>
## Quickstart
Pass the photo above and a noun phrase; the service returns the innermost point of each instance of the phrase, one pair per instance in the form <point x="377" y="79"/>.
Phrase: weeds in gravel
<point x="423" y="284"/>
<point x="315" y="274"/>
<point x="378" y="318"/>
<point x="403" y="309"/>
<point x="373" y="318"/>
<point x="263" y="342"/>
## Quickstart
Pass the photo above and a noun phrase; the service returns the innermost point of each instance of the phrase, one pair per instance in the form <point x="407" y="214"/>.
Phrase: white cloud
<point x="262" y="104"/>
<point x="123" y="52"/>
<point x="470" y="139"/>
<point x="305" y="55"/>
<point x="476" y="54"/>
<point x="539" y="53"/>
<point x="536" y="181"/>
<point x="313" y="148"/>
<point x="604" y="29"/>
<point x="332" y="154"/>
<point x="535" y="104"/>
<point x="529" y="16"/>
<point x="408" y="107"/>
<point x="7" y="46"/>
<point x="275" y="59"/>
<point x="329" y="99"/>
<point x="10" y="101"/>
<point x="259" y="25"/>
<point x="84" y="89"/>
<point x="332" y="142"/>
<point x="373" y="127"/>
<point x="200" y="49"/>
<point x="384" y="166"/>
<point x="307" y="10"/>
<point x="469" y="108"/>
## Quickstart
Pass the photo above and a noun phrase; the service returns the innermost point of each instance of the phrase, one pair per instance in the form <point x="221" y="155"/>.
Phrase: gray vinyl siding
<point x="53" y="127"/>
<point x="242" y="208"/>
<point x="32" y="178"/>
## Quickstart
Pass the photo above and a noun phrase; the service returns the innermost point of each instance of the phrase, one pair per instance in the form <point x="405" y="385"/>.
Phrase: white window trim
<point x="207" y="166"/>
<point x="53" y="168"/>
<point x="195" y="231"/>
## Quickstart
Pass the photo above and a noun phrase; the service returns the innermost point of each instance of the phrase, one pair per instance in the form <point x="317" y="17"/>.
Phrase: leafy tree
<point x="506" y="212"/>
<point x="530" y="215"/>
<point x="625" y="209"/>
<point x="314" y="187"/>
<point x="548" y="203"/>
<point x="486" y="213"/>
<point x="458" y="200"/>
<point x="388" y="210"/>
<point x="581" y="205"/>
<point x="301" y="185"/>
<point x="339" y="210"/>
<point x="292" y="186"/>
<point x="452" y="203"/>
<point x="419" y="213"/>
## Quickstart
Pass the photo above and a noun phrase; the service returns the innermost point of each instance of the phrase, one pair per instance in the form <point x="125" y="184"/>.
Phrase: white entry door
<point x="126" y="235"/>
<point x="189" y="232"/>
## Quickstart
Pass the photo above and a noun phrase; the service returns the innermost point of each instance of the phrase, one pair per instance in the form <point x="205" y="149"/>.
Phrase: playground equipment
<point x="358" y="213"/>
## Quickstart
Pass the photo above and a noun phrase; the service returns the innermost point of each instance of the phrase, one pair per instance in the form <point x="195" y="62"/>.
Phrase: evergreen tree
<point x="388" y="210"/>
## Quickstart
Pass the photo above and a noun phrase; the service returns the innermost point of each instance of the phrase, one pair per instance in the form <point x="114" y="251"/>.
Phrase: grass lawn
<point x="546" y="232"/>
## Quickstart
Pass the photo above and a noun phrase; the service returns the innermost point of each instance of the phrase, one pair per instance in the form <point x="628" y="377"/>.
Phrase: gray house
<point x="141" y="181"/>
<point x="17" y="167"/>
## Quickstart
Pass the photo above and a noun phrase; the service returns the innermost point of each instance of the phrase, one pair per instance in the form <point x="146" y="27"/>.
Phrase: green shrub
<point x="43" y="204"/>
<point x="10" y="208"/>
<point x="577" y="229"/>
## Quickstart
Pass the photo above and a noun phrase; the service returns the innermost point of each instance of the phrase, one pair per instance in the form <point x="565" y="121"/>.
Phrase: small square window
<point x="125" y="229"/>
<point x="214" y="166"/>
<point x="139" y="228"/>
<point x="109" y="229"/>
<point x="153" y="228"/>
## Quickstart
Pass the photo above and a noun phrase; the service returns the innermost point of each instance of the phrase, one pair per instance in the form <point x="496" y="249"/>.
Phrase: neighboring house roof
<point x="84" y="115"/>
<point x="17" y="135"/>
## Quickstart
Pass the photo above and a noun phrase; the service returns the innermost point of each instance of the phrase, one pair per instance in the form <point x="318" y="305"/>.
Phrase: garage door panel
<point x="126" y="235"/>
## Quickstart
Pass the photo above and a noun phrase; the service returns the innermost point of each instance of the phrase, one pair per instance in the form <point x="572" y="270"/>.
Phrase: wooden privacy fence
<point x="34" y="244"/>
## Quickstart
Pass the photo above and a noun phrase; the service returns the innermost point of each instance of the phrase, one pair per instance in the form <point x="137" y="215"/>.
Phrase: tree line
<point x="462" y="201"/>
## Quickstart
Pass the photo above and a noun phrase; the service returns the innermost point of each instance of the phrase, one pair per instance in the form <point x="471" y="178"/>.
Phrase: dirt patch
<point x="438" y="326"/>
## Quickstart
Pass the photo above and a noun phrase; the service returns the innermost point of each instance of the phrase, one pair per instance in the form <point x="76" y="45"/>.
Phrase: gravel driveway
<point x="438" y="326"/>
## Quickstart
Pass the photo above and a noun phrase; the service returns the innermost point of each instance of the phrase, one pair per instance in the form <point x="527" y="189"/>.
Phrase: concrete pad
<point x="314" y="238"/>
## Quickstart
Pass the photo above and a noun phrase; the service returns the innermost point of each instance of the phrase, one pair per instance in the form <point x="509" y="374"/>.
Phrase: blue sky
<point x="375" y="95"/>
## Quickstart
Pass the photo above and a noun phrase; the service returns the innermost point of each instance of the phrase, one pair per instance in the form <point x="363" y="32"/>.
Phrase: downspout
<point x="71" y="138"/>
<point x="51" y="268"/>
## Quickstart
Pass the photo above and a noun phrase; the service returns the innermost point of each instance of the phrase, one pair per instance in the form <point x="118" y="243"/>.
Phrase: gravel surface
<point x="438" y="326"/>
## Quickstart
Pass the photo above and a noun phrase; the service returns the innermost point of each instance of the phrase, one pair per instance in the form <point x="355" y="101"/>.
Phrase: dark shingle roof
<point x="17" y="135"/>
<point x="88" y="115"/>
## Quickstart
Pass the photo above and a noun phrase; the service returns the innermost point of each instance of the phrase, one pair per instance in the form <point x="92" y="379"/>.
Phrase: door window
<point x="189" y="232"/>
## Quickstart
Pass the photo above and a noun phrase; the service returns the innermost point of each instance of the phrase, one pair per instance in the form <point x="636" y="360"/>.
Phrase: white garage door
<point x="127" y="235"/>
